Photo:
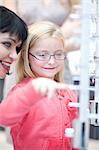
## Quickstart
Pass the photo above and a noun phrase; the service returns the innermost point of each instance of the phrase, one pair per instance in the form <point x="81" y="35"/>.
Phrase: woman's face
<point x="8" y="55"/>
<point x="42" y="57"/>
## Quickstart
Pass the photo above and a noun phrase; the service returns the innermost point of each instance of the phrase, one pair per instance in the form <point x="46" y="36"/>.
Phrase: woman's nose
<point x="13" y="54"/>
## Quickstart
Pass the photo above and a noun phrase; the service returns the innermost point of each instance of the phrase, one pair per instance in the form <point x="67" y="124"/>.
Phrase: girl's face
<point x="8" y="53"/>
<point x="47" y="57"/>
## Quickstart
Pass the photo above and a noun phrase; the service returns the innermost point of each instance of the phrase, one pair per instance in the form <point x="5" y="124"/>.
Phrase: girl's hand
<point x="47" y="86"/>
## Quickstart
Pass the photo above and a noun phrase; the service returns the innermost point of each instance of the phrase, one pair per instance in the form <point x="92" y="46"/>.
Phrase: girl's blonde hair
<point x="38" y="30"/>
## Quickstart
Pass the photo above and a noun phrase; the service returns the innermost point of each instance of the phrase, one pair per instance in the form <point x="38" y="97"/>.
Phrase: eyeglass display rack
<point x="94" y="101"/>
<point x="87" y="124"/>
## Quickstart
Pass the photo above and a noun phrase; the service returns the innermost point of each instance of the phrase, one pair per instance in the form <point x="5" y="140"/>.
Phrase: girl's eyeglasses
<point x="46" y="56"/>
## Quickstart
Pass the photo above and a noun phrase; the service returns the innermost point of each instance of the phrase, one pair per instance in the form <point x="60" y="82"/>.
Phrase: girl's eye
<point x="41" y="54"/>
<point x="7" y="44"/>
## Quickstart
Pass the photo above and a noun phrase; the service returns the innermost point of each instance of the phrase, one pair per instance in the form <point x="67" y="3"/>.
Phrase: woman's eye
<point x="7" y="44"/>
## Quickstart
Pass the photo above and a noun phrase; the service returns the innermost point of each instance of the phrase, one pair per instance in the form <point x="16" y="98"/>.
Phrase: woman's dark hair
<point x="12" y="24"/>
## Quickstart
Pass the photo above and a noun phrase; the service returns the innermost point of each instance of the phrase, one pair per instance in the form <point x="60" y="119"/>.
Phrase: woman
<point x="13" y="32"/>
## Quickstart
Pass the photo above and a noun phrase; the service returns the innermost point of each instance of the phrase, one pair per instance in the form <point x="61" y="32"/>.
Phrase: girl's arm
<point x="23" y="96"/>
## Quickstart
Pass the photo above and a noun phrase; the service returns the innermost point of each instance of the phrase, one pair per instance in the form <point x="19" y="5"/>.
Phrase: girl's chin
<point x="49" y="77"/>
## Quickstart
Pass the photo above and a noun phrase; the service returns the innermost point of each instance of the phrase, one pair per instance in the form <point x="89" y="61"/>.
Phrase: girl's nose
<point x="51" y="60"/>
<point x="13" y="54"/>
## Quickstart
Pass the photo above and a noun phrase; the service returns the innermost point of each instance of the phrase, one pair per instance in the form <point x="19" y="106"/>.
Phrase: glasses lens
<point x="42" y="56"/>
<point x="59" y="55"/>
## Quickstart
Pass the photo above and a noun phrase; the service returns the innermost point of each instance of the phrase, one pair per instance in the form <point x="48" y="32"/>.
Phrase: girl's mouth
<point x="50" y="68"/>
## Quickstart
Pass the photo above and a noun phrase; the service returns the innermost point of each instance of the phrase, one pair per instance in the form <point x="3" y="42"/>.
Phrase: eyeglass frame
<point x="49" y="57"/>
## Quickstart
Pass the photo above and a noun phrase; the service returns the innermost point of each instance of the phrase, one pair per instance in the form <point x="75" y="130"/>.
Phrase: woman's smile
<point x="5" y="66"/>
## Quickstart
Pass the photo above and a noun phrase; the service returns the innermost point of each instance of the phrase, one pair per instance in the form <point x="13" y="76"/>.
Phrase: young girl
<point x="13" y="32"/>
<point x="37" y="122"/>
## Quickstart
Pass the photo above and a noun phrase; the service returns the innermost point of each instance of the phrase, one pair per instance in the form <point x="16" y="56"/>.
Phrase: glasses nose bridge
<point x="51" y="55"/>
<point x="51" y="58"/>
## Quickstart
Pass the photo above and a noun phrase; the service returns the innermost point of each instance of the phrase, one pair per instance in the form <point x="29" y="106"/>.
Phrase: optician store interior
<point x="79" y="22"/>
